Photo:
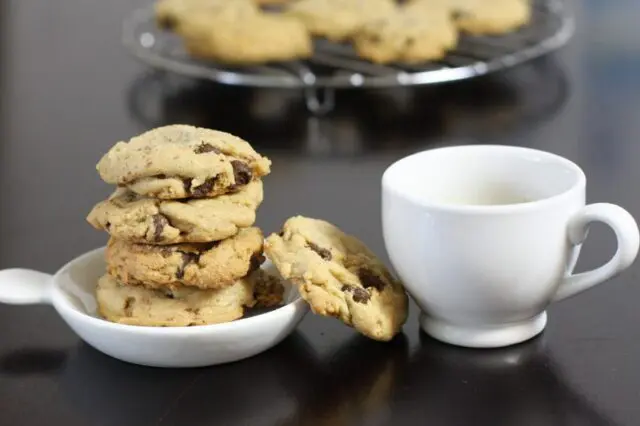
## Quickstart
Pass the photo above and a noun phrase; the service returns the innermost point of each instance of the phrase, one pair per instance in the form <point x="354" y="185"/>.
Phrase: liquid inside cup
<point x="482" y="176"/>
<point x="481" y="194"/>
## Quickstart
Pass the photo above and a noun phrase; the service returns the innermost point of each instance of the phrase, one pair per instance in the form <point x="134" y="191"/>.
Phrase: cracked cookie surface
<point x="185" y="306"/>
<point x="212" y="265"/>
<point x="339" y="276"/>
<point x="135" y="218"/>
<point x="181" y="161"/>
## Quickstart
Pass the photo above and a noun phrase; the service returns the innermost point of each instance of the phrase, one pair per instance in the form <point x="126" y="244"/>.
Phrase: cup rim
<point x="580" y="183"/>
<point x="64" y="309"/>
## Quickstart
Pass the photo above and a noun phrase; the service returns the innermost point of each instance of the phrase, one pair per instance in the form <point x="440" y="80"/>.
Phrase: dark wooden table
<point x="68" y="90"/>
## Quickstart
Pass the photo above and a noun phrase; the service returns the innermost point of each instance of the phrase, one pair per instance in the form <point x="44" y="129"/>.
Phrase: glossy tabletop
<point x="68" y="90"/>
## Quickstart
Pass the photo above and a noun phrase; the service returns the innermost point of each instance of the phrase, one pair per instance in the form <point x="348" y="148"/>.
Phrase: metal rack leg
<point x="319" y="101"/>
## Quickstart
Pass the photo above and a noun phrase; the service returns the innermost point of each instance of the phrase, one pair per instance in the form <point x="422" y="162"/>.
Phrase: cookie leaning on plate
<point x="135" y="218"/>
<point x="212" y="265"/>
<point x="339" y="276"/>
<point x="181" y="161"/>
<point x="184" y="306"/>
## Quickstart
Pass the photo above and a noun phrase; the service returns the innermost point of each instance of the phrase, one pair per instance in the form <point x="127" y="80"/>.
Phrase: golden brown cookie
<point x="339" y="276"/>
<point x="181" y="161"/>
<point x="174" y="14"/>
<point x="493" y="17"/>
<point x="251" y="39"/>
<point x="337" y="20"/>
<point x="205" y="265"/>
<point x="135" y="218"/>
<point x="185" y="306"/>
<point x="413" y="33"/>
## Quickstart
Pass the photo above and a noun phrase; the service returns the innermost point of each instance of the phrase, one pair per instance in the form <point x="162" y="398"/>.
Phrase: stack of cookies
<point x="183" y="250"/>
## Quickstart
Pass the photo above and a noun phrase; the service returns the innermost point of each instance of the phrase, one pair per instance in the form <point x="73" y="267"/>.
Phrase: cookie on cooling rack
<point x="417" y="32"/>
<point x="491" y="17"/>
<point x="175" y="14"/>
<point x="337" y="20"/>
<point x="253" y="39"/>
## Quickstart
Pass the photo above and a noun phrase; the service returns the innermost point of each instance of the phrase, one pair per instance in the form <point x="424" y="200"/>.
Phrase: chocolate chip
<point x="281" y="233"/>
<point x="187" y="258"/>
<point x="369" y="279"/>
<point x="130" y="196"/>
<point x="107" y="225"/>
<point x="323" y="253"/>
<point x="204" y="147"/>
<point x="161" y="176"/>
<point x="461" y="14"/>
<point x="208" y="246"/>
<point x="360" y="295"/>
<point x="168" y="22"/>
<point x="159" y="222"/>
<point x="187" y="185"/>
<point x="128" y="306"/>
<point x="204" y="189"/>
<point x="255" y="262"/>
<point x="241" y="172"/>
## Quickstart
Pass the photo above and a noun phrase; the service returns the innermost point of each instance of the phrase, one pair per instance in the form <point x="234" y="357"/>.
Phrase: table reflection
<point x="259" y="390"/>
<point x="484" y="109"/>
<point x="514" y="386"/>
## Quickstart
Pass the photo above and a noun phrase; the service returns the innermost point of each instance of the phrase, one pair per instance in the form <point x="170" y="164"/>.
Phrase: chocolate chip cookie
<point x="181" y="161"/>
<point x="212" y="265"/>
<point x="251" y="39"/>
<point x="185" y="306"/>
<point x="339" y="276"/>
<point x="337" y="20"/>
<point x="174" y="14"/>
<point x="135" y="218"/>
<point x="411" y="34"/>
<point x="492" y="17"/>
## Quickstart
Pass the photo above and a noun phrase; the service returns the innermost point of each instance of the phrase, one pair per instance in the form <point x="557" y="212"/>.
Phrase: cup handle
<point x="25" y="287"/>
<point x="626" y="230"/>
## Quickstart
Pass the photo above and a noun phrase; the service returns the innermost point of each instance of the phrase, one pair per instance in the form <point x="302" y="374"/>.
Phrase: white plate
<point x="71" y="291"/>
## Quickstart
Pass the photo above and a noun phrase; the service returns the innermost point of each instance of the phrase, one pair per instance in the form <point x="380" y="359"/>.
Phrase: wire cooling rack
<point x="336" y="66"/>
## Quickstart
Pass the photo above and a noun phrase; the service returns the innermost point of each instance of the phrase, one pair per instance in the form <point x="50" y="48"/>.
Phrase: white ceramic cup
<point x="486" y="237"/>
